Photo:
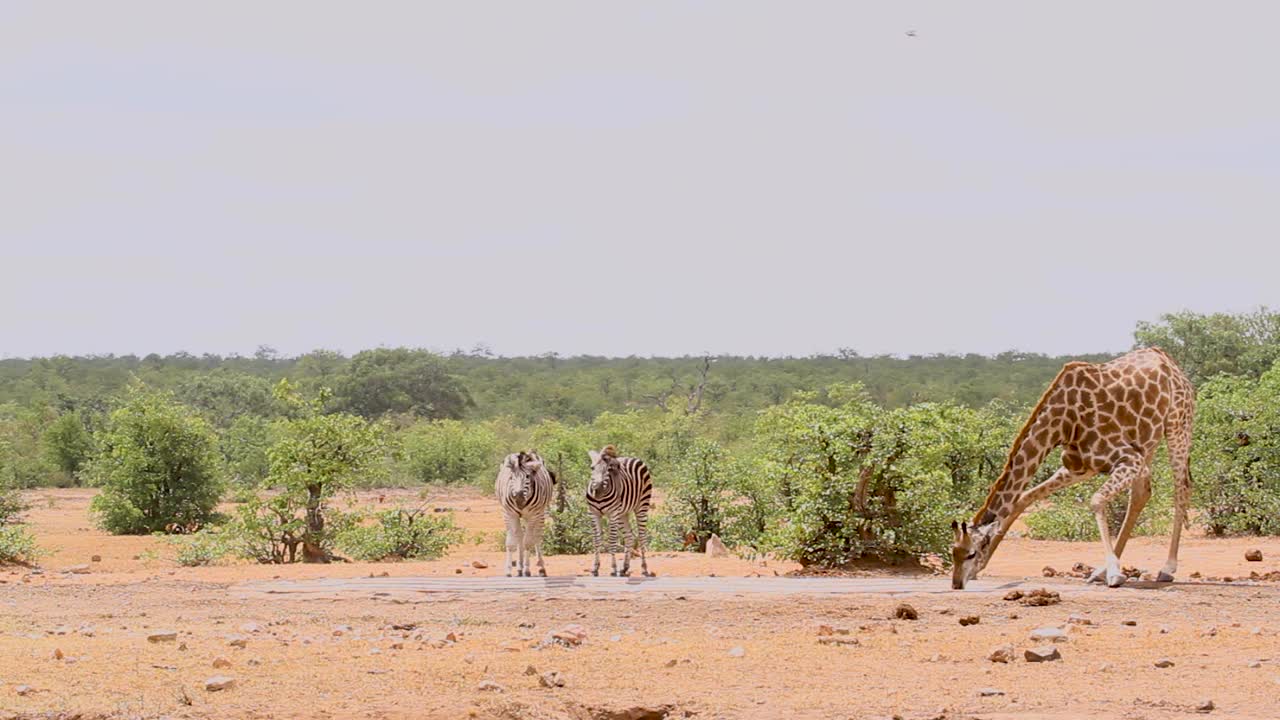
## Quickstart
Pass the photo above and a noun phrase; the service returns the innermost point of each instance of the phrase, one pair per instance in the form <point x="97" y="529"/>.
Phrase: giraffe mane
<point x="1003" y="479"/>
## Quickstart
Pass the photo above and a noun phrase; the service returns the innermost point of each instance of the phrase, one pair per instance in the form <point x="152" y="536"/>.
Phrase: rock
<point x="989" y="692"/>
<point x="1013" y="595"/>
<point x="1048" y="634"/>
<point x="715" y="547"/>
<point x="250" y="627"/>
<point x="568" y="636"/>
<point x="1129" y="623"/>
<point x="1165" y="629"/>
<point x="490" y="686"/>
<point x="96" y="558"/>
<point x="905" y="612"/>
<point x="77" y="569"/>
<point x="218" y="683"/>
<point x="1041" y="597"/>
<point x="163" y="636"/>
<point x="479" y="564"/>
<point x="237" y="641"/>
<point x="24" y="690"/>
<point x="57" y="654"/>
<point x="1164" y="663"/>
<point x="1048" y="571"/>
<point x="669" y="663"/>
<point x="1002" y="654"/>
<point x="737" y="652"/>
<point x="530" y="670"/>
<point x="1078" y="620"/>
<point x="85" y="631"/>
<point x="968" y="620"/>
<point x="341" y="630"/>
<point x="826" y="630"/>
<point x="838" y="641"/>
<point x="1254" y="555"/>
<point x="1254" y="664"/>
<point x="1044" y="653"/>
<point x="221" y="663"/>
<point x="182" y="646"/>
<point x="1205" y="706"/>
<point x="551" y="679"/>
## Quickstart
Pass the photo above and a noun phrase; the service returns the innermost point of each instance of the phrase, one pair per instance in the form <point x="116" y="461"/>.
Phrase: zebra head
<point x="604" y="467"/>
<point x="524" y="465"/>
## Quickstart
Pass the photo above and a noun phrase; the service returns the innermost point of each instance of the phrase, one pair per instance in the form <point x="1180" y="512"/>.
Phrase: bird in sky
<point x="911" y="33"/>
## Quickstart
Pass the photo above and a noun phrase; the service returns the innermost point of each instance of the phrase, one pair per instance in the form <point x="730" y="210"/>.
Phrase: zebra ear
<point x="595" y="456"/>
<point x="533" y="463"/>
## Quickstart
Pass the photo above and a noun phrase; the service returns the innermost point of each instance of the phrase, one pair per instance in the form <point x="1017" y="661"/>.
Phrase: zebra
<point x="524" y="489"/>
<point x="619" y="486"/>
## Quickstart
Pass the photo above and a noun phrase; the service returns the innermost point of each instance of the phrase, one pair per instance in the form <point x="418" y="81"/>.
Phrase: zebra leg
<point x="533" y="538"/>
<point x="513" y="530"/>
<point x="595" y="519"/>
<point x="628" y="542"/>
<point x="523" y="567"/>
<point x="616" y="527"/>
<point x="642" y="532"/>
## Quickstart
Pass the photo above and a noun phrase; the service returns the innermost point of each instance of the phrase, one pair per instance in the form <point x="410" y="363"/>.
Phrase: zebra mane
<point x="609" y="451"/>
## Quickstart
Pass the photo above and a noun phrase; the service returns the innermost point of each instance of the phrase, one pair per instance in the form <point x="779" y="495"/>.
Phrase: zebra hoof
<point x="542" y="573"/>
<point x="595" y="573"/>
<point x="646" y="573"/>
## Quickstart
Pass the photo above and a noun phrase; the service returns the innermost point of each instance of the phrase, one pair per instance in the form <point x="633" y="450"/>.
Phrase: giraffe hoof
<point x="1164" y="577"/>
<point x="1115" y="581"/>
<point x="1098" y="576"/>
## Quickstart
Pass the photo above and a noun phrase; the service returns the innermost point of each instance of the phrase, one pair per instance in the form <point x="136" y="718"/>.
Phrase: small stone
<point x="1041" y="597"/>
<point x="57" y="654"/>
<point x="1254" y="664"/>
<point x="1205" y="706"/>
<point x="838" y="641"/>
<point x="1254" y="555"/>
<point x="530" y="670"/>
<point x="1164" y="663"/>
<point x="669" y="663"/>
<point x="60" y="630"/>
<point x="1078" y="620"/>
<point x="1002" y="654"/>
<point x="341" y="630"/>
<point x="551" y="680"/>
<point x="968" y="620"/>
<point x="490" y="686"/>
<point x="24" y="690"/>
<point x="163" y="636"/>
<point x="479" y="564"/>
<point x="219" y="682"/>
<point x="905" y="612"/>
<point x="1013" y="595"/>
<point x="737" y="652"/>
<point x="1044" y="653"/>
<point x="96" y="558"/>
<point x="237" y="641"/>
<point x="182" y="646"/>
<point x="221" y="663"/>
<point x="1048" y="571"/>
<point x="250" y="627"/>
<point x="1129" y="623"/>
<point x="989" y="692"/>
<point x="77" y="569"/>
<point x="1048" y="634"/>
<point x="1165" y="629"/>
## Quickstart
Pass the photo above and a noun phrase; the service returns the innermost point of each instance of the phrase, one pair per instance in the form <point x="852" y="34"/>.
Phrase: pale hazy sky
<point x="616" y="178"/>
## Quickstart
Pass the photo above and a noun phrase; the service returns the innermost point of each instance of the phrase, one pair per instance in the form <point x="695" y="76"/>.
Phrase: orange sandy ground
<point x="294" y="666"/>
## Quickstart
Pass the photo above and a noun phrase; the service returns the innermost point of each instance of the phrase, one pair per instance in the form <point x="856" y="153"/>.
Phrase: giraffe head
<point x="604" y="466"/>
<point x="971" y="551"/>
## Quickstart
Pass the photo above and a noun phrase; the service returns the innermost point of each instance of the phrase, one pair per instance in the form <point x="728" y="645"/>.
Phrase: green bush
<point x="68" y="444"/>
<point x="400" y="534"/>
<point x="708" y="492"/>
<point x="450" y="451"/>
<point x="158" y="465"/>
<point x="206" y="547"/>
<point x="17" y="546"/>
<point x="1066" y="515"/>
<point x="266" y="530"/>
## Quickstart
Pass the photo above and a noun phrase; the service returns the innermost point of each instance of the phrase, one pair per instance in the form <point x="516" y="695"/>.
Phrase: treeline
<point x="823" y="459"/>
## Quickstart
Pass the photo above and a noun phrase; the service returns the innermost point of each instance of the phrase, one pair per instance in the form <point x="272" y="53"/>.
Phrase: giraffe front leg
<point x="1179" y="443"/>
<point x="1122" y="475"/>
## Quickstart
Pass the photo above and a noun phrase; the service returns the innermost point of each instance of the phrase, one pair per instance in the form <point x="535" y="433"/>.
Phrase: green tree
<point x="1246" y="344"/>
<point x="449" y="451"/>
<point x="224" y="396"/>
<point x="315" y="456"/>
<point x="68" y="443"/>
<point x="158" y="465"/>
<point x="402" y="381"/>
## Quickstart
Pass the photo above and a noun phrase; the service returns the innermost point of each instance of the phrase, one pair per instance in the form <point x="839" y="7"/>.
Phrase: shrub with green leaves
<point x="68" y="443"/>
<point x="206" y="547"/>
<point x="158" y="465"/>
<point x="17" y="546"/>
<point x="449" y="451"/>
<point x="400" y="534"/>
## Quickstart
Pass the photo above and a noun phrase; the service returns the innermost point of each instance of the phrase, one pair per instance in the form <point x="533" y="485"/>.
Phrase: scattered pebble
<point x="551" y="679"/>
<point x="905" y="612"/>
<point x="24" y="690"/>
<point x="970" y="620"/>
<point x="220" y="663"/>
<point x="1254" y="555"/>
<point x="1205" y="706"/>
<point x="1044" y="653"/>
<point x="1164" y="663"/>
<point x="1078" y="620"/>
<point x="490" y="686"/>
<point x="838" y="641"/>
<point x="163" y="636"/>
<point x="990" y="692"/>
<point x="1048" y="634"/>
<point x="218" y="683"/>
<point x="1129" y="623"/>
<point x="1002" y="654"/>
<point x="96" y="558"/>
<point x="479" y="564"/>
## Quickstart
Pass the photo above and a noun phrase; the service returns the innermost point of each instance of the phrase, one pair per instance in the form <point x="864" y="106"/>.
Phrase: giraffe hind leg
<point x="1122" y="475"/>
<point x="1139" y="494"/>
<point x="1179" y="458"/>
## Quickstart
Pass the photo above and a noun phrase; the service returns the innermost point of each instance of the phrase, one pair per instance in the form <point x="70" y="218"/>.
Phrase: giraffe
<point x="1108" y="418"/>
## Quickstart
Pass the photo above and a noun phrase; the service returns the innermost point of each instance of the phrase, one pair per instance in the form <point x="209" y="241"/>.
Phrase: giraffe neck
<point x="1038" y="437"/>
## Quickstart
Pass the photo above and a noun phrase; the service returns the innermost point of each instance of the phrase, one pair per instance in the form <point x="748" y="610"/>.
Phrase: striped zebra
<point x="524" y="489"/>
<point x="620" y="486"/>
